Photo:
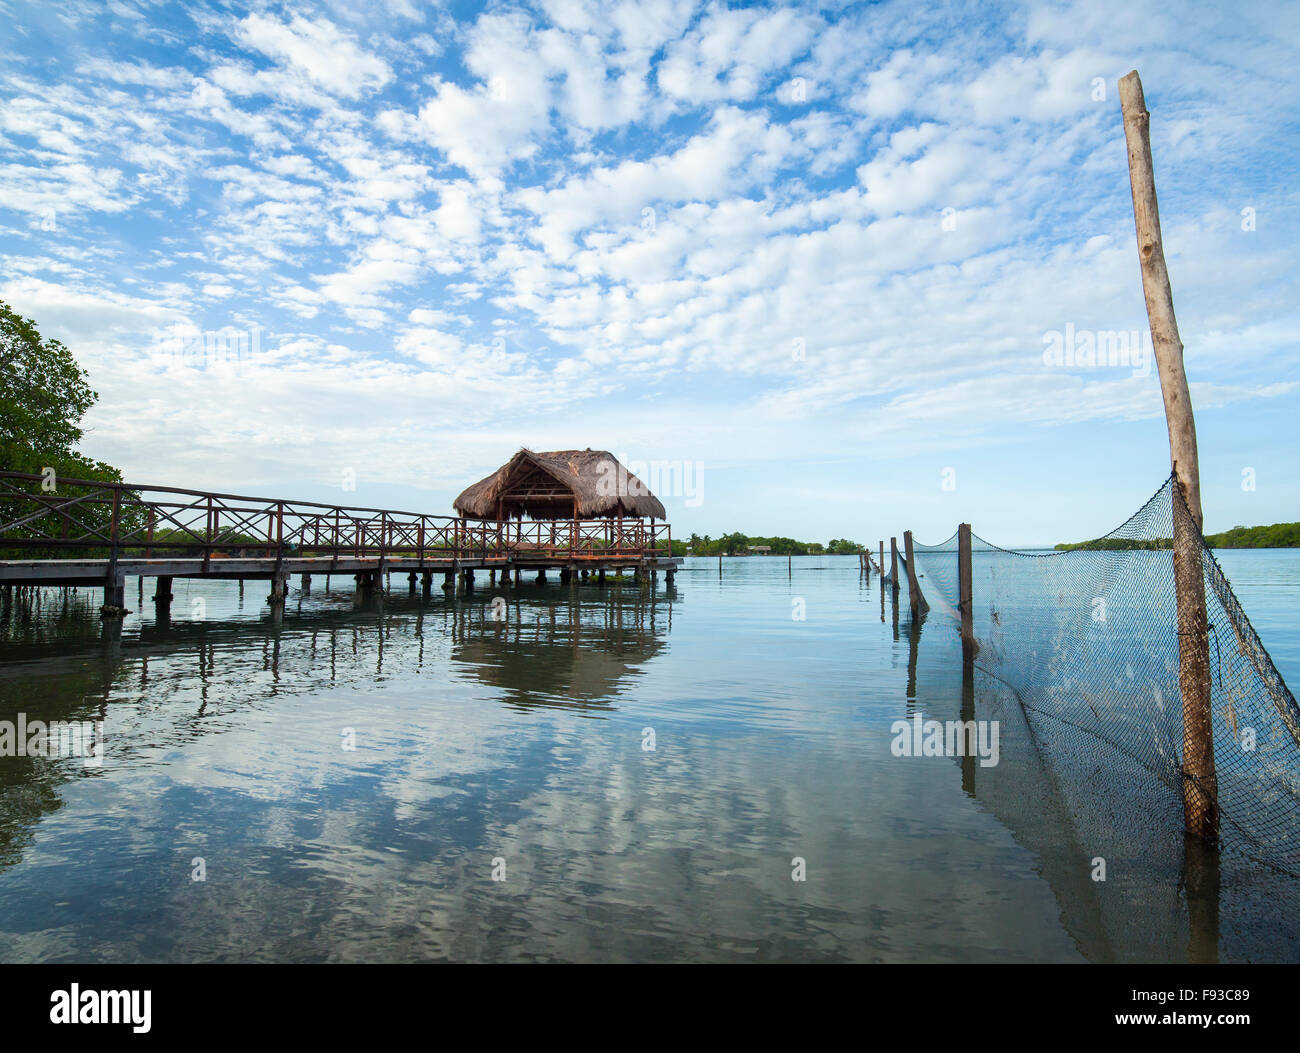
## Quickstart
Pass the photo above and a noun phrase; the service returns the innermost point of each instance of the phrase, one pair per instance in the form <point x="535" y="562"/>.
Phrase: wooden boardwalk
<point x="70" y="532"/>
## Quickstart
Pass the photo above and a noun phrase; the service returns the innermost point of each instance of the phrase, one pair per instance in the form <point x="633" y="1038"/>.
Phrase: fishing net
<point x="1086" y="642"/>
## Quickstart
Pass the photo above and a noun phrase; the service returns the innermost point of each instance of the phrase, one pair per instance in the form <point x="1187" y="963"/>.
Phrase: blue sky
<point x="816" y="253"/>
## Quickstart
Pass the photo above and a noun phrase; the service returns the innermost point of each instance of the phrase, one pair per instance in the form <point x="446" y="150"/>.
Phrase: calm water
<point x="519" y="749"/>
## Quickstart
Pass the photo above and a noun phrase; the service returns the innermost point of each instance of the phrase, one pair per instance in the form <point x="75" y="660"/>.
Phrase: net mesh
<point x="1088" y="642"/>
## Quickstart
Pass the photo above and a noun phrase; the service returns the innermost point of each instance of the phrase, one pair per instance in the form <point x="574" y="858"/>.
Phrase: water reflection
<point x="171" y="681"/>
<point x="516" y="730"/>
<point x="562" y="649"/>
<point x="1164" y="896"/>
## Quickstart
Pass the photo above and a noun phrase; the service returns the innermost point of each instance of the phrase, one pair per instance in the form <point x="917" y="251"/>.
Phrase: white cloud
<point x="318" y="50"/>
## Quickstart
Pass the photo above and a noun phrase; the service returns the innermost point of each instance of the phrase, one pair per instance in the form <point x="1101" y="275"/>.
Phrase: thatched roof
<point x="544" y="486"/>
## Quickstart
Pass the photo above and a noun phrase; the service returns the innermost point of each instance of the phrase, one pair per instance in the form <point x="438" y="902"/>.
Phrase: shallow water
<point x="646" y="774"/>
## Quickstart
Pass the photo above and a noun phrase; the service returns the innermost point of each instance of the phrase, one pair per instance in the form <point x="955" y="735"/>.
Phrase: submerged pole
<point x="1200" y="781"/>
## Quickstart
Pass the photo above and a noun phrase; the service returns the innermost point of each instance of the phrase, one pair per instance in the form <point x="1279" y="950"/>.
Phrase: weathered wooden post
<point x="1200" y="782"/>
<point x="162" y="596"/>
<point x="893" y="563"/>
<point x="965" y="590"/>
<point x="915" y="599"/>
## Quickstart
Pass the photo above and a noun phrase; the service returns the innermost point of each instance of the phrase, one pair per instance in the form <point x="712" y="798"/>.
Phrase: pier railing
<point x="49" y="517"/>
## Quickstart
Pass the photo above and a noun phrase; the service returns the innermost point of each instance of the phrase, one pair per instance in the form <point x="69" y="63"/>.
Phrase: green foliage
<point x="1279" y="535"/>
<point x="1116" y="544"/>
<point x="43" y="396"/>
<point x="740" y="544"/>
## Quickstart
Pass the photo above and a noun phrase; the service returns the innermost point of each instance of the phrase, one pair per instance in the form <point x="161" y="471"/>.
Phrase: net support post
<point x="914" y="596"/>
<point x="1200" y="782"/>
<point x="965" y="594"/>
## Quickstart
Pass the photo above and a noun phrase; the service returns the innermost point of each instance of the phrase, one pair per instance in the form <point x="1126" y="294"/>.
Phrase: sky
<point x="807" y="267"/>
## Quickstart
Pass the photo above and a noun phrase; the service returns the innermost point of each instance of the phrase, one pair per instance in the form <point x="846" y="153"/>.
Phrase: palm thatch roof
<point x="560" y="484"/>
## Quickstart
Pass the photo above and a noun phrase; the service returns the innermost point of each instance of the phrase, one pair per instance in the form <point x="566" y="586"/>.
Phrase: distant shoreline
<point x="1278" y="535"/>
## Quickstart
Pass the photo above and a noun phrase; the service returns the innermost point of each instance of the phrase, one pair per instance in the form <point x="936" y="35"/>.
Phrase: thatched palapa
<point x="561" y="484"/>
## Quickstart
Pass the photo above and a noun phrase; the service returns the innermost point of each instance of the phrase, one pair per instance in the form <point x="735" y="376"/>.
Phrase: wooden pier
<point x="72" y="532"/>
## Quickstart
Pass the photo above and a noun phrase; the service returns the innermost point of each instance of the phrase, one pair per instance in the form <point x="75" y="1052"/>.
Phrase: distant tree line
<point x="737" y="544"/>
<point x="1279" y="535"/>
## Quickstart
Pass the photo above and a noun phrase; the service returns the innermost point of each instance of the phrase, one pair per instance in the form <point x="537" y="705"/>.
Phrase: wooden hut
<point x="560" y="484"/>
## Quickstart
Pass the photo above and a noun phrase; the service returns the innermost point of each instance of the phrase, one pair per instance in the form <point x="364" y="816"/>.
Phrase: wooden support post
<point x="306" y="583"/>
<point x="410" y="583"/>
<point x="893" y="562"/>
<point x="279" y="587"/>
<point x="965" y="594"/>
<point x="882" y="560"/>
<point x="162" y="592"/>
<point x="114" y="594"/>
<point x="449" y="581"/>
<point x="914" y="596"/>
<point x="1200" y="781"/>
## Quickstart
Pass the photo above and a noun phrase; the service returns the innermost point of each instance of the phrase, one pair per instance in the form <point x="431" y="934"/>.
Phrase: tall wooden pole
<point x="965" y="597"/>
<point x="915" y="599"/>
<point x="1200" y="784"/>
<point x="893" y="562"/>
